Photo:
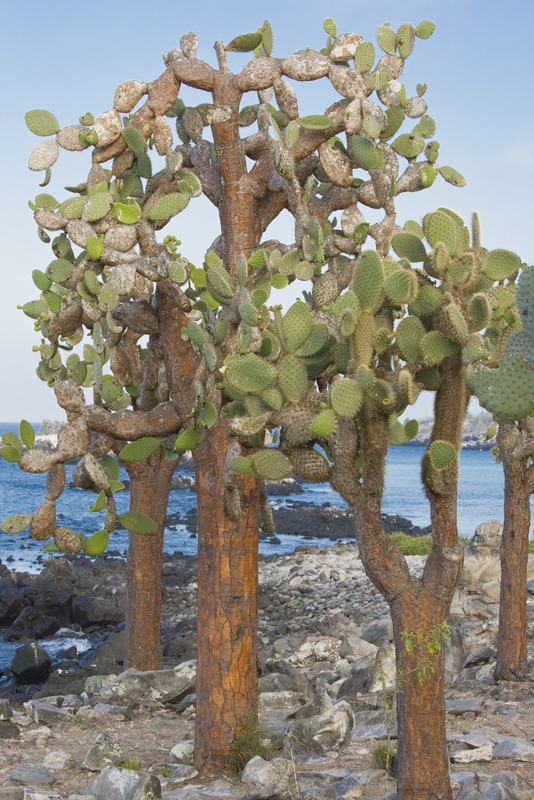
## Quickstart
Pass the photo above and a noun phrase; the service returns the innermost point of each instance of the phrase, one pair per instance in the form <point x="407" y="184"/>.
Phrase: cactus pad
<point x="441" y="454"/>
<point x="408" y="145"/>
<point x="324" y="424"/>
<point x="250" y="374"/>
<point x="500" y="264"/>
<point x="273" y="398"/>
<point x="346" y="397"/>
<point x="220" y="282"/>
<point x="140" y="449"/>
<point x="134" y="139"/>
<point x="401" y="285"/>
<point x="508" y="391"/>
<point x="366" y="153"/>
<point x="436" y="347"/>
<point x="293" y="378"/>
<point x="364" y="338"/>
<point x="427" y="301"/>
<point x="44" y="155"/>
<point x="167" y="206"/>
<point x="309" y="465"/>
<point x="474" y="348"/>
<point x="452" y="176"/>
<point x="440" y="227"/>
<point x="297" y="325"/>
<point x="479" y="310"/>
<point x="248" y="314"/>
<point x="457" y="324"/>
<point x="367" y="281"/>
<point x="315" y="342"/>
<point x="271" y="464"/>
<point x="188" y="440"/>
<point x="409" y="333"/>
<point x="364" y="57"/>
<point x="409" y="246"/>
<point x="521" y="342"/>
<point x="411" y="429"/>
<point x="41" y="122"/>
<point x="396" y="431"/>
<point x="364" y="377"/>
<point x="16" y="524"/>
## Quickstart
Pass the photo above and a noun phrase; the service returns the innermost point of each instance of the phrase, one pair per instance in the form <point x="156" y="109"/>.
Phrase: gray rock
<point x="121" y="713"/>
<point x="319" y="705"/>
<point x="8" y="730"/>
<point x="329" y="730"/>
<point x="183" y="772"/>
<point x="267" y="701"/>
<point x="384" y="670"/>
<point x="352" y="645"/>
<point x="59" y="759"/>
<point x="265" y="779"/>
<point x="31" y="664"/>
<point x="323" y="778"/>
<point x="103" y="752"/>
<point x="356" y="683"/>
<point x="372" y="725"/>
<point x="6" y="712"/>
<point x="44" y="713"/>
<point x="89" y="609"/>
<point x="124" y="784"/>
<point x="163" y="685"/>
<point x="379" y="631"/>
<point x="458" y="707"/>
<point x="11" y="793"/>
<point x="183" y="751"/>
<point x="499" y="792"/>
<point x="277" y="682"/>
<point x="347" y="788"/>
<point x="480" y="656"/>
<point x="514" y="748"/>
<point x="473" y="787"/>
<point x="32" y="623"/>
<point x="32" y="774"/>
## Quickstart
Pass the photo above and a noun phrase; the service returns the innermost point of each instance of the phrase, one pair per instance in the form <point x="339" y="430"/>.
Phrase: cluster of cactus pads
<point x="374" y="331"/>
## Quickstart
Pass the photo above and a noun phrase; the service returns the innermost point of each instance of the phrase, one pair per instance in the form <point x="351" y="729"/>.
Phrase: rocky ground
<point x="325" y="642"/>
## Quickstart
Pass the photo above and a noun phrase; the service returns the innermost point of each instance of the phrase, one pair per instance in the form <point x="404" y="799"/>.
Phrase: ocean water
<point x="480" y="498"/>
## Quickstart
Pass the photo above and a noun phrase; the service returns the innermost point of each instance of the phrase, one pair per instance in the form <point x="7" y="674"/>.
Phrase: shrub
<point x="251" y="739"/>
<point x="412" y="545"/>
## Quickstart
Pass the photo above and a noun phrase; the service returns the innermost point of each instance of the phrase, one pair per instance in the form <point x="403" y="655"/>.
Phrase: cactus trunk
<point x="512" y="642"/>
<point x="227" y="605"/>
<point x="150" y="483"/>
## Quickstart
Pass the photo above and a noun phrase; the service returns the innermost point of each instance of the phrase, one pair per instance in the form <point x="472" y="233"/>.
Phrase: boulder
<point x="105" y="751"/>
<point x="163" y="685"/>
<point x="31" y="664"/>
<point x="265" y="779"/>
<point x="44" y="713"/>
<point x="59" y="759"/>
<point x="89" y="609"/>
<point x="379" y="631"/>
<point x="469" y="705"/>
<point x="12" y="793"/>
<point x="8" y="730"/>
<point x="32" y="775"/>
<point x="385" y="669"/>
<point x="331" y="729"/>
<point x="345" y="789"/>
<point x="514" y="748"/>
<point x="11" y="604"/>
<point x="373" y="724"/>
<point x="183" y="751"/>
<point x="32" y="623"/>
<point x="6" y="712"/>
<point x="124" y="784"/>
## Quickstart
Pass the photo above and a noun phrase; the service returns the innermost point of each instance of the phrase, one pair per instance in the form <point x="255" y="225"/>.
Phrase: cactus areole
<point x="182" y="357"/>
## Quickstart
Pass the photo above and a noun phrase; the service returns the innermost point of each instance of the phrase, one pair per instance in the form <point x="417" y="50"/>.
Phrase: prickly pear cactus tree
<point x="223" y="368"/>
<point x="503" y="384"/>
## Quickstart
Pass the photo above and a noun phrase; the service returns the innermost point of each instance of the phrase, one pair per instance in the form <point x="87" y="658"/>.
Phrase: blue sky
<point x="68" y="58"/>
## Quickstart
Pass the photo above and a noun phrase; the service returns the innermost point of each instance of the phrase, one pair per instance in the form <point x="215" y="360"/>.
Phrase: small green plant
<point x="412" y="545"/>
<point x="251" y="739"/>
<point x="382" y="757"/>
<point x="132" y="763"/>
<point x="163" y="771"/>
<point x="78" y="719"/>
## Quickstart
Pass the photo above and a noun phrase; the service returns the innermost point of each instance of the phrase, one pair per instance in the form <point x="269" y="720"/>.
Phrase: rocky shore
<point x="71" y="725"/>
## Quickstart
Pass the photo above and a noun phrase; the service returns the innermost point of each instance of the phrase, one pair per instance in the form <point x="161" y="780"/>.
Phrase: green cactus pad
<point x="273" y="398"/>
<point x="315" y="342"/>
<point x="134" y="139"/>
<point x="167" y="206"/>
<point x="507" y="392"/>
<point x="297" y="325"/>
<point x="255" y="406"/>
<point x="366" y="153"/>
<point x="521" y="342"/>
<point x="474" y="348"/>
<point x="91" y="282"/>
<point x="427" y="176"/>
<point x="452" y="176"/>
<point x="97" y="206"/>
<point x="408" y="145"/>
<point x="408" y="389"/>
<point x="309" y="465"/>
<point x="244" y="43"/>
<point x="429" y="378"/>
<point x="525" y="298"/>
<point x="136" y="522"/>
<point x="73" y="207"/>
<point x="364" y="58"/>
<point x="220" y="331"/>
<point x="347" y="323"/>
<point x="457" y="324"/>
<point x="425" y="29"/>
<point x="440" y="227"/>
<point x="401" y="286"/>
<point x="97" y="543"/>
<point x="364" y="377"/>
<point x="16" y="524"/>
<point x="405" y="39"/>
<point x="475" y="231"/>
<point x="10" y="454"/>
<point x="127" y="212"/>
<point x="35" y="308"/>
<point x="347" y="300"/>
<point x="250" y="374"/>
<point x="27" y="434"/>
<point x="367" y="281"/>
<point x="342" y="356"/>
<point x="381" y="393"/>
<point x="363" y="339"/>
<point x="324" y="424"/>
<point x="139" y="450"/>
<point x="411" y="429"/>
<point x="436" y="347"/>
<point x="428" y="300"/>
<point x="346" y="397"/>
<point x="409" y="246"/>
<point x="386" y="38"/>
<point x="441" y="454"/>
<point x="397" y="434"/>
<point x="242" y="465"/>
<point x="188" y="440"/>
<point x="315" y="122"/>
<point x="395" y="118"/>
<point x="500" y="264"/>
<point x="244" y="337"/>
<point x="479" y="310"/>
<point x="461" y="270"/>
<point x="272" y="465"/>
<point x="40" y="280"/>
<point x="293" y="378"/>
<point x="220" y="282"/>
<point x="409" y="333"/>
<point x="248" y="314"/>
<point x="12" y="440"/>
<point x="431" y="151"/>
<point x="60" y="270"/>
<point x="41" y="122"/>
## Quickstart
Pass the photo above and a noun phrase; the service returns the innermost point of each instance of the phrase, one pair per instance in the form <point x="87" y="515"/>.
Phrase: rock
<point x="264" y="779"/>
<point x="458" y="707"/>
<point x="515" y="749"/>
<point x="11" y="604"/>
<point x="319" y="705"/>
<point x="89" y="609"/>
<point x="277" y="682"/>
<point x="483" y="753"/>
<point x="183" y="772"/>
<point x="352" y="645"/>
<point x="267" y="701"/>
<point x="183" y="751"/>
<point x="32" y="774"/>
<point x="356" y="683"/>
<point x="322" y="779"/>
<point x="347" y="788"/>
<point x="326" y="731"/>
<point x="124" y="784"/>
<point x="103" y="752"/>
<point x="31" y="664"/>
<point x="372" y="725"/>
<point x="8" y="730"/>
<point x="163" y="685"/>
<point x="473" y="787"/>
<point x="32" y="623"/>
<point x="59" y="759"/>
<point x="12" y="793"/>
<point x="385" y="670"/>
<point x="6" y="712"/>
<point x="379" y="631"/>
<point x="44" y="713"/>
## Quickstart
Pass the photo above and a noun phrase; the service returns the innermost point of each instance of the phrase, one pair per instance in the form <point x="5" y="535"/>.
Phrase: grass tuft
<point x="132" y="763"/>
<point x="251" y="739"/>
<point x="382" y="756"/>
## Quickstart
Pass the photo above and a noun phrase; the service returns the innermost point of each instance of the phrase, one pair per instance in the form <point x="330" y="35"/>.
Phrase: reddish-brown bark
<point x="150" y="483"/>
<point x="512" y="642"/>
<point x="227" y="604"/>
